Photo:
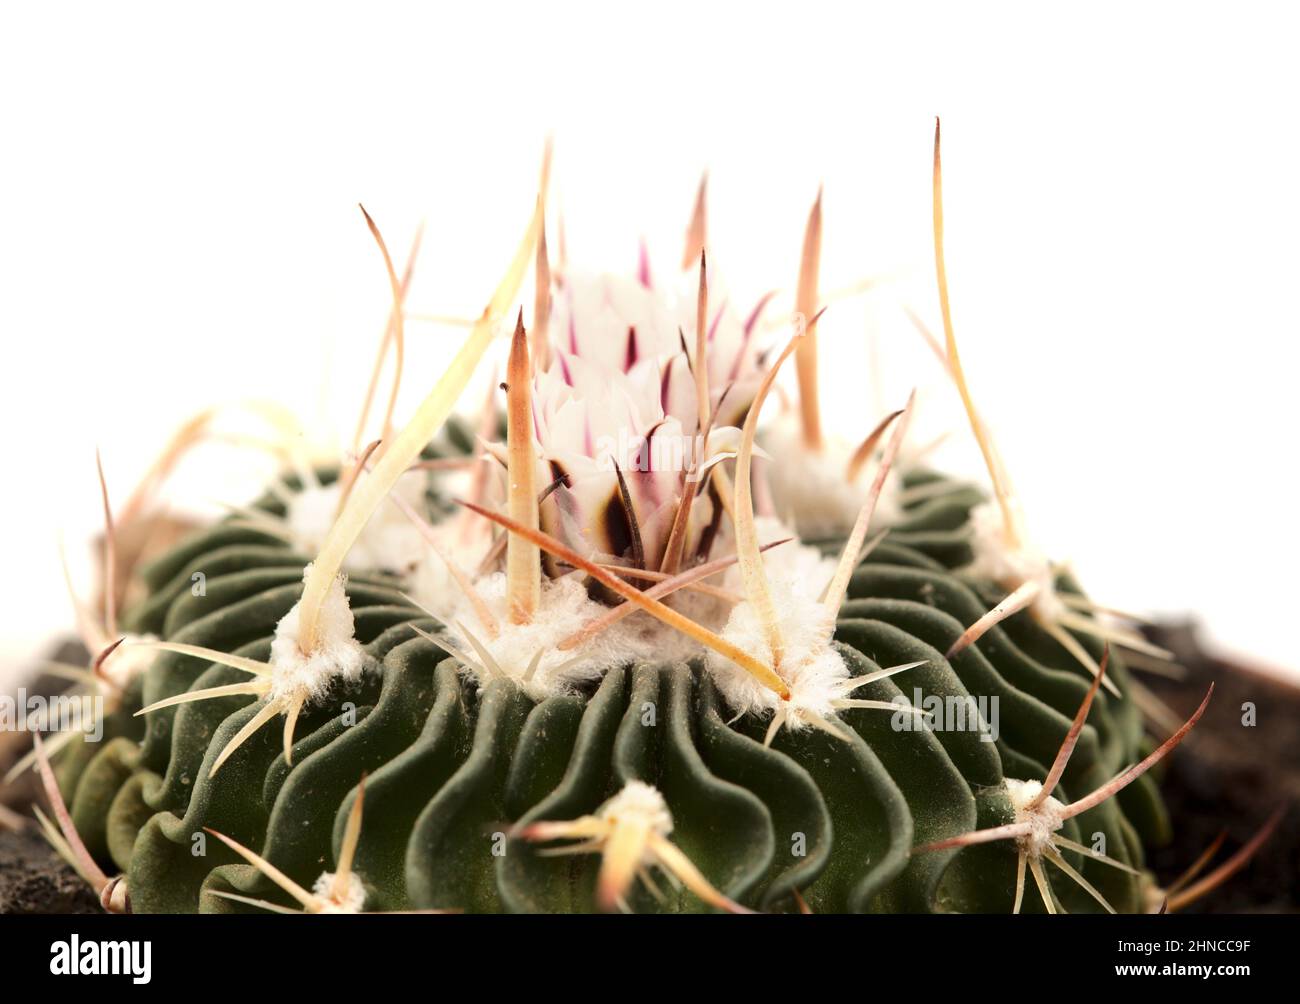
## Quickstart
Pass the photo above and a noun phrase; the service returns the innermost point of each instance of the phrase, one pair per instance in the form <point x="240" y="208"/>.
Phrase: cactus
<point x="563" y="682"/>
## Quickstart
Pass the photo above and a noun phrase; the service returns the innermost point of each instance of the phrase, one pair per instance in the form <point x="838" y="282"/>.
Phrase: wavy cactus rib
<point x="455" y="775"/>
<point x="632" y="785"/>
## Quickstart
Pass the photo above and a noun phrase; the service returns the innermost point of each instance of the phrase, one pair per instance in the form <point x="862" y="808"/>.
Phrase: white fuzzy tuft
<point x="431" y="583"/>
<point x="798" y="567"/>
<point x="797" y="575"/>
<point x="1045" y="819"/>
<point x="639" y="803"/>
<point x="1009" y="567"/>
<point x="812" y="489"/>
<point x="565" y="609"/>
<point x="389" y="541"/>
<point x="353" y="899"/>
<point x="810" y="666"/>
<point x="337" y="655"/>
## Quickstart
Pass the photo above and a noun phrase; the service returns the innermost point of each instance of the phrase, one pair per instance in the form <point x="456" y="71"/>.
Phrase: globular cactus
<point x="562" y="675"/>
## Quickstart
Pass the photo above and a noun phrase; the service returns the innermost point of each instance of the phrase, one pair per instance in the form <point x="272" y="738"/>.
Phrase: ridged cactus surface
<point x="453" y="770"/>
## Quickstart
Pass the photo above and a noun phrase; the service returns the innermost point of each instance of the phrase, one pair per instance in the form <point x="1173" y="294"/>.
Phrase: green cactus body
<point x="454" y="769"/>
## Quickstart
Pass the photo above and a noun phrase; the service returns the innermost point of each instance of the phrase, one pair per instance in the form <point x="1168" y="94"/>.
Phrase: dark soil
<point x="1226" y="777"/>
<point x="33" y="879"/>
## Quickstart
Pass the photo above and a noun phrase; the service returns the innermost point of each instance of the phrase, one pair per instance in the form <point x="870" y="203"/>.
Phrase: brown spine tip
<point x="98" y="667"/>
<point x="868" y="446"/>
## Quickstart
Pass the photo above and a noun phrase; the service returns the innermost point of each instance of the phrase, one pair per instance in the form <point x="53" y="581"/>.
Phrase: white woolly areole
<point x="353" y="899"/>
<point x="813" y="490"/>
<point x="389" y="540"/>
<point x="1010" y="567"/>
<point x="794" y="565"/>
<point x="565" y="608"/>
<point x="337" y="654"/>
<point x="640" y="804"/>
<point x="430" y="581"/>
<point x="1045" y="819"/>
<point x="129" y="660"/>
<point x="810" y="666"/>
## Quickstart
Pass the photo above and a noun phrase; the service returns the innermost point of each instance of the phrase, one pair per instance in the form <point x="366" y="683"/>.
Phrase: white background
<point x="180" y="228"/>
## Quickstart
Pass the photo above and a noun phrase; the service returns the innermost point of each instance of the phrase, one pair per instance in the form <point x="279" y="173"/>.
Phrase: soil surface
<point x="1226" y="777"/>
<point x="1230" y="776"/>
<point x="33" y="879"/>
